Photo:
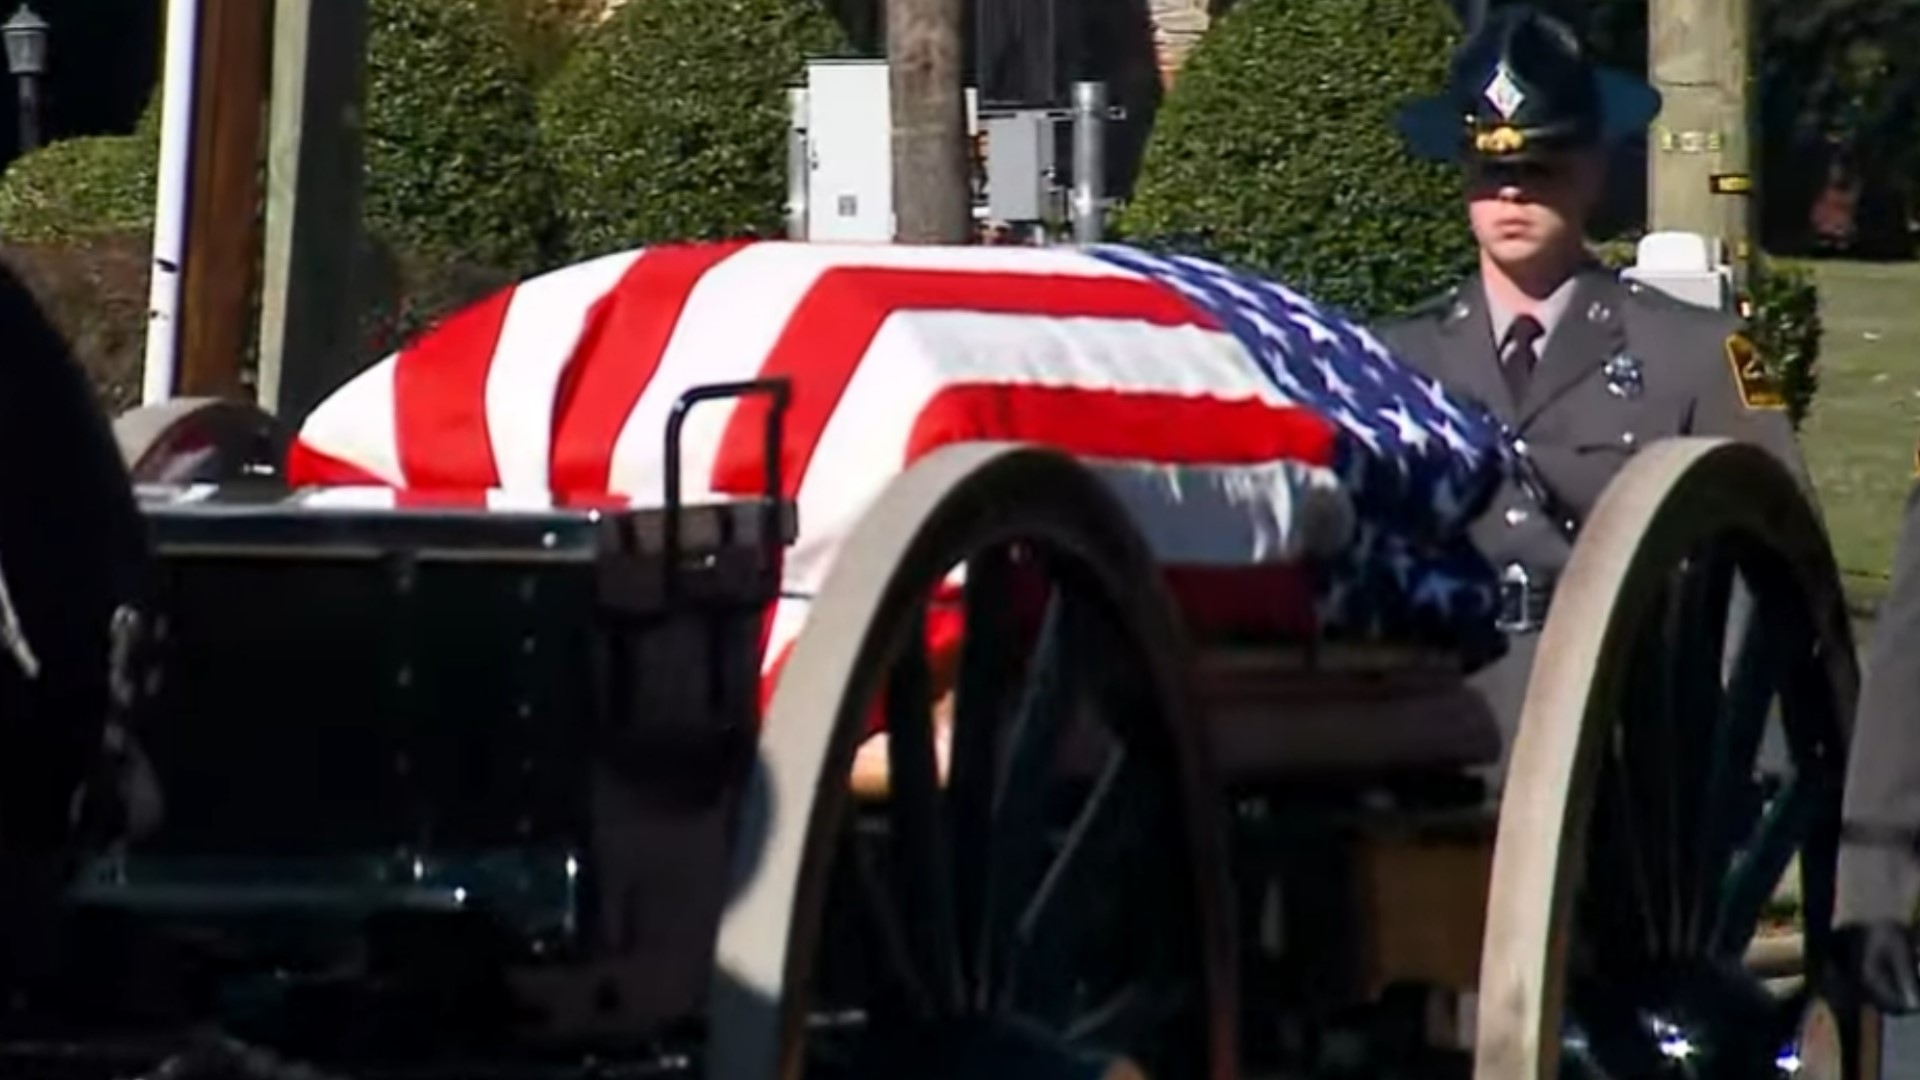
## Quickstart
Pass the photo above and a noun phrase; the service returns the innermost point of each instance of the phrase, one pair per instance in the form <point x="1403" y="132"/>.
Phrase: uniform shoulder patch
<point x="1758" y="388"/>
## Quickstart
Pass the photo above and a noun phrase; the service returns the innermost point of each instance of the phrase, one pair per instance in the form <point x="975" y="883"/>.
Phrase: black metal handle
<point x="780" y="393"/>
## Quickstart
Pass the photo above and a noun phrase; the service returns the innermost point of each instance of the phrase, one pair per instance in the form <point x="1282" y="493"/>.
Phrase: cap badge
<point x="1505" y="139"/>
<point x="1503" y="93"/>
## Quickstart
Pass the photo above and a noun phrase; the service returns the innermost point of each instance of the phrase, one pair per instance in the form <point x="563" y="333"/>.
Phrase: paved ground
<point x="1902" y="1050"/>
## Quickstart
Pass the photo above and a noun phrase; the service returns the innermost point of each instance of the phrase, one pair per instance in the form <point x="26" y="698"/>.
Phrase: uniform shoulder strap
<point x="1433" y="307"/>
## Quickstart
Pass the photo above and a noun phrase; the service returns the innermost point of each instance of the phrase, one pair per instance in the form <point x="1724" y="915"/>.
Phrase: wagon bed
<point x="1310" y="858"/>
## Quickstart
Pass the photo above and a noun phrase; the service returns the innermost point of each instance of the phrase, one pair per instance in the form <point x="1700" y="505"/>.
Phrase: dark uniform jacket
<point x="1880" y="874"/>
<point x="1625" y="365"/>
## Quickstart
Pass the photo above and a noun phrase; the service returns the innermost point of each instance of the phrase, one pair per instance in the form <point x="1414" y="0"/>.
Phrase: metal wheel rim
<point x="984" y="493"/>
<point x="1670" y="497"/>
<point x="158" y="443"/>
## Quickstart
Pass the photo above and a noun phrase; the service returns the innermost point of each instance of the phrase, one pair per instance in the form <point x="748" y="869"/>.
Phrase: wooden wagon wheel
<point x="1639" y="841"/>
<point x="200" y="440"/>
<point x="1056" y="907"/>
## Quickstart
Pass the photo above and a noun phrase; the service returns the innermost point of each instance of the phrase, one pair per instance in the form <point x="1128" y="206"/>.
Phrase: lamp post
<point x="26" y="36"/>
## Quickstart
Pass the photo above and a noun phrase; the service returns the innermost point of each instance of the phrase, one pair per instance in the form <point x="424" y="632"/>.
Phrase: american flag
<point x="1419" y="462"/>
<point x="1291" y="476"/>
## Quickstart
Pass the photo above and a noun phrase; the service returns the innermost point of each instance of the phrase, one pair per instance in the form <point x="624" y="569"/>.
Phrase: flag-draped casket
<point x="1293" y="477"/>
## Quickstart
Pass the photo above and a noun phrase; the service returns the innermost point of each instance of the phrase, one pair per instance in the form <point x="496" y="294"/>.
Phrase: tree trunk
<point x="932" y="180"/>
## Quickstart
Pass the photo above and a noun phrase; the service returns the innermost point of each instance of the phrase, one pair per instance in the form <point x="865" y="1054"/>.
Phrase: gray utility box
<point x="1021" y="165"/>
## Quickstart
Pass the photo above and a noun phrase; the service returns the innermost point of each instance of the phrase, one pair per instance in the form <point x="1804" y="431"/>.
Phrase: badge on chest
<point x="1624" y="377"/>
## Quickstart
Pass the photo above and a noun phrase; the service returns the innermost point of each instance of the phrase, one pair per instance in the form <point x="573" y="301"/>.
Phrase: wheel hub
<point x="1705" y="1022"/>
<point x="1817" y="1051"/>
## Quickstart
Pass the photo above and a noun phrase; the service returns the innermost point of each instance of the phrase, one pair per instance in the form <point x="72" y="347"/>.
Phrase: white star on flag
<point x="1410" y="432"/>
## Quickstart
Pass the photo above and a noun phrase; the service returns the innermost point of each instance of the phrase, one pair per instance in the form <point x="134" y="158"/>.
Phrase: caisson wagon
<point x="788" y="660"/>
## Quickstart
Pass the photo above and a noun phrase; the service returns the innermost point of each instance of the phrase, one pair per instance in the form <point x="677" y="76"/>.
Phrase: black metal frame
<point x="641" y="754"/>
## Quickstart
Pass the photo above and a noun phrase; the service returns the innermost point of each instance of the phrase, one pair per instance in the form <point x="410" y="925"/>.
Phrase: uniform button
<point x="1515" y="516"/>
<point x="1627" y="439"/>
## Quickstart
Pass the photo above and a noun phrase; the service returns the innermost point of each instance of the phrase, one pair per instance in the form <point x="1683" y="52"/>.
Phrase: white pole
<point x="170" y="206"/>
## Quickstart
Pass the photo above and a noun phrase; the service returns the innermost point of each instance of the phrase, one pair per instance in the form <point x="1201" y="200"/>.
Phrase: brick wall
<point x="1177" y="26"/>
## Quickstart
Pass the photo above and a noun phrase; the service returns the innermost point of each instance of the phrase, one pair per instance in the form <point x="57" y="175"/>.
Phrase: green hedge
<point x="454" y="168"/>
<point x="669" y="121"/>
<point x="1786" y="327"/>
<point x="1276" y="151"/>
<point x="76" y="188"/>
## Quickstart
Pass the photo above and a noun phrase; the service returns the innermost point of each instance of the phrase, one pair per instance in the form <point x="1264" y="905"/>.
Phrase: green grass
<point x="1860" y="437"/>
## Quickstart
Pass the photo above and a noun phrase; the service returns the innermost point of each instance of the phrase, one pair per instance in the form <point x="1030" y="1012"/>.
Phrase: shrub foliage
<point x="86" y="187"/>
<point x="669" y="122"/>
<point x="453" y="159"/>
<point x="1276" y="151"/>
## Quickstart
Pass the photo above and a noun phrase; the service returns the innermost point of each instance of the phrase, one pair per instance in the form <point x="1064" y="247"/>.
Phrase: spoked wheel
<point x="1643" y="832"/>
<point x="200" y="440"/>
<point x="1051" y="905"/>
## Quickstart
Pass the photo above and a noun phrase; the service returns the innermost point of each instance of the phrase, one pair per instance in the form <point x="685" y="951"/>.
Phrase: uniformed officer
<point x="1880" y="844"/>
<point x="1582" y="366"/>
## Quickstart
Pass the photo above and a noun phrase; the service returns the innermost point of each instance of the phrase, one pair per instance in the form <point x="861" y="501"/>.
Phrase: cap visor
<point x="1628" y="105"/>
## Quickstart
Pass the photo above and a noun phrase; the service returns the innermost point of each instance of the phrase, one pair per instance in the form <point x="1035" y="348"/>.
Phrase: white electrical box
<point x="847" y="136"/>
<point x="850" y="151"/>
<point x="1687" y="266"/>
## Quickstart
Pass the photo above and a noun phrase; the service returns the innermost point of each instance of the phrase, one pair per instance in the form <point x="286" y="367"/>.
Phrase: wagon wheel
<point x="1056" y="906"/>
<point x="200" y="440"/>
<point x="1640" y="839"/>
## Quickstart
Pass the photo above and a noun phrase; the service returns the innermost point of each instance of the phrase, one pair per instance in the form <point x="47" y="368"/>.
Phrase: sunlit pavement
<point x="1903" y="1050"/>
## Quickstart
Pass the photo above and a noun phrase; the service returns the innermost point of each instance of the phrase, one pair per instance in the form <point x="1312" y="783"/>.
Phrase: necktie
<point x="1518" y="357"/>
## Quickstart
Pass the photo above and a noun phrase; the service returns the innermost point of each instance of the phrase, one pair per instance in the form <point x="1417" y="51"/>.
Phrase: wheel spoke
<point x="1715" y="642"/>
<point x="1020" y="832"/>
<point x="1625" y="852"/>
<point x="921" y="858"/>
<point x="1670" y="732"/>
<point x="1077" y="836"/>
<point x="1136" y="1007"/>
<point x="1729" y="812"/>
<point x="986" y="677"/>
<point x="1757" y="870"/>
<point x="884" y="917"/>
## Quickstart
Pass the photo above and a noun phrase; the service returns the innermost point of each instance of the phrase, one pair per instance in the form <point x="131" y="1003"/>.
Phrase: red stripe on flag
<point x="439" y="398"/>
<point x="1155" y="427"/>
<point x="591" y="500"/>
<point x="832" y="328"/>
<point x="625" y="337"/>
<point x="307" y="467"/>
